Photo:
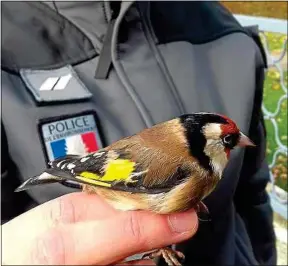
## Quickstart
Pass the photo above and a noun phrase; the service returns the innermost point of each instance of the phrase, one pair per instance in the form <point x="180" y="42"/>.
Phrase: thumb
<point x="113" y="239"/>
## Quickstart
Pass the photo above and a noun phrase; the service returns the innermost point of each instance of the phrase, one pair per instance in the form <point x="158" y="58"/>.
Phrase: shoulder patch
<point x="76" y="134"/>
<point x="54" y="85"/>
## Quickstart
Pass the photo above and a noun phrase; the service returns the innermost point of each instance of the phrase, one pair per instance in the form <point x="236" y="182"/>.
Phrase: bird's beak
<point x="245" y="141"/>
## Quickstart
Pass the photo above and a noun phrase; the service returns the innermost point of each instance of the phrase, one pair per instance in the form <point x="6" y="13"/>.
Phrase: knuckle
<point x="62" y="211"/>
<point x="135" y="228"/>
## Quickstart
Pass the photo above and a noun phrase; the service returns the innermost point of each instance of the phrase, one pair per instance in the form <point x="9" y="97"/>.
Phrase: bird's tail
<point x="44" y="178"/>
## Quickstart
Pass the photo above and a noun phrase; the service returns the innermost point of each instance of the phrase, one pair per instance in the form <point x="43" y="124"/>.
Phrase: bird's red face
<point x="211" y="137"/>
<point x="231" y="136"/>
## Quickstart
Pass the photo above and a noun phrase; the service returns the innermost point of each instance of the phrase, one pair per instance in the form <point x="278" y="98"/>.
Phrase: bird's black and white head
<point x="211" y="137"/>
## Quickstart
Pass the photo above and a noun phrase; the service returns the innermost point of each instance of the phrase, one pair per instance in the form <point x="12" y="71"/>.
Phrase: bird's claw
<point x="203" y="212"/>
<point x="171" y="256"/>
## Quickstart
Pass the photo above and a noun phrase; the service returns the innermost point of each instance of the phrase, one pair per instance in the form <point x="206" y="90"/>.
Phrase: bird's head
<point x="211" y="137"/>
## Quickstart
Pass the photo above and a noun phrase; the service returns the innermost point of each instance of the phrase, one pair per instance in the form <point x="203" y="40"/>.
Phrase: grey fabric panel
<point x="135" y="50"/>
<point x="215" y="74"/>
<point x="112" y="99"/>
<point x="33" y="36"/>
<point x="140" y="67"/>
<point x="87" y="16"/>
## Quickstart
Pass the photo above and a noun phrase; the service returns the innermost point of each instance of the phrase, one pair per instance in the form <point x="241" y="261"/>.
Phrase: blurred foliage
<point x="270" y="9"/>
<point x="272" y="92"/>
<point x="275" y="41"/>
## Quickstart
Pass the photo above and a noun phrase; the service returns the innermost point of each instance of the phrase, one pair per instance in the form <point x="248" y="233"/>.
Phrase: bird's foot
<point x="171" y="256"/>
<point x="203" y="212"/>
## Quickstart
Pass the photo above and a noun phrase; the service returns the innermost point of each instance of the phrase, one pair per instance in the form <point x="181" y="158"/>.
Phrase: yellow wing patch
<point x="116" y="170"/>
<point x="94" y="182"/>
<point x="90" y="175"/>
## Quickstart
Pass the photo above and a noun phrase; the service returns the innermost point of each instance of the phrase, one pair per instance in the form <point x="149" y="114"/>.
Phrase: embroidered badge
<point x="76" y="134"/>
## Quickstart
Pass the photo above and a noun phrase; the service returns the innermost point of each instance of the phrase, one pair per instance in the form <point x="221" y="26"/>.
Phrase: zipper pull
<point x="105" y="59"/>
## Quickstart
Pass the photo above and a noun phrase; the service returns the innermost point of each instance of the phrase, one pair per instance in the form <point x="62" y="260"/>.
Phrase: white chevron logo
<point x="55" y="83"/>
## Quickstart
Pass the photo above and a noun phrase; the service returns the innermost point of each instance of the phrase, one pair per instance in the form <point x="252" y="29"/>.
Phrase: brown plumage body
<point x="161" y="149"/>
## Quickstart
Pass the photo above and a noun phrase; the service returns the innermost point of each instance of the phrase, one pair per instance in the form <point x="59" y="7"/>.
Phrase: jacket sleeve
<point x="251" y="198"/>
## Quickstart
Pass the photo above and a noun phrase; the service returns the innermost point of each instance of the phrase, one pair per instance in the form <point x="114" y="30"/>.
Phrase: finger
<point x="113" y="239"/>
<point x="76" y="207"/>
<point x="70" y="208"/>
<point x="67" y="209"/>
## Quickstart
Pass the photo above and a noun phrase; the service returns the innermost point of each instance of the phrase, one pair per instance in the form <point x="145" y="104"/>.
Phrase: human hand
<point x="80" y="228"/>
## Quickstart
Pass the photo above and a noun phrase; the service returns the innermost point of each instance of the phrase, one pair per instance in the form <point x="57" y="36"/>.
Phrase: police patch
<point x="74" y="134"/>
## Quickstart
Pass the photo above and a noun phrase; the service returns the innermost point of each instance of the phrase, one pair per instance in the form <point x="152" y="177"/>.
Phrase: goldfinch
<point x="170" y="167"/>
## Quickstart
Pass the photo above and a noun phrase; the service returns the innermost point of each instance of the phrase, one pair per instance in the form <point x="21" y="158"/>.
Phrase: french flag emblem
<point x="76" y="135"/>
<point x="79" y="144"/>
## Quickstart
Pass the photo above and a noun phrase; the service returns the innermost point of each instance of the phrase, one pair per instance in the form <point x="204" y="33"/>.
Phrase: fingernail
<point x="183" y="222"/>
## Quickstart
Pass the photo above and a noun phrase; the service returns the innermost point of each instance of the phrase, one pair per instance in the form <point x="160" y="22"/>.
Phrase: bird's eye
<point x="227" y="140"/>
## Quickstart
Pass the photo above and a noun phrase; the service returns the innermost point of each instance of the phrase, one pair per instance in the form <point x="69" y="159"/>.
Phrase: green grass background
<point x="272" y="93"/>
